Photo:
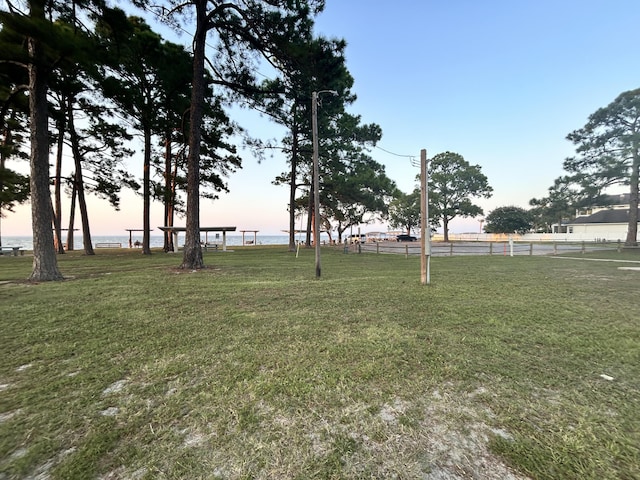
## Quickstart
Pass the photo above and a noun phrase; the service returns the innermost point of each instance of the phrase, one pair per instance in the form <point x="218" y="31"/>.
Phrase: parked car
<point x="406" y="238"/>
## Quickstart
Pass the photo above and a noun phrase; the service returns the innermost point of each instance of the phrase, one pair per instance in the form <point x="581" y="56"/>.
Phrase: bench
<point x="15" y="251"/>
<point x="109" y="245"/>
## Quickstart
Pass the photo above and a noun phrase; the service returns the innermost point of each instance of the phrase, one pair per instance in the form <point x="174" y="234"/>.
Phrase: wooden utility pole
<point x="316" y="176"/>
<point x="316" y="182"/>
<point x="425" y="230"/>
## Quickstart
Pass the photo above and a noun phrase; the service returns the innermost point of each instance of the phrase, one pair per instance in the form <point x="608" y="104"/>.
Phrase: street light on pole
<point x="316" y="175"/>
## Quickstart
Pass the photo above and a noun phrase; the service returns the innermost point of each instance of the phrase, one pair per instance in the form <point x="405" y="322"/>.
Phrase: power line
<point x="393" y="153"/>
<point x="412" y="158"/>
<point x="161" y="16"/>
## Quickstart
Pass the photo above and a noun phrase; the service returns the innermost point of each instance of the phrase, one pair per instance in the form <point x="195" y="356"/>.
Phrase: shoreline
<point x="155" y="241"/>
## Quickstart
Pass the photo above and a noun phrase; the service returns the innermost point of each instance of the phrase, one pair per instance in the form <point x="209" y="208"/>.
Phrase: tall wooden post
<point x="316" y="181"/>
<point x="316" y="175"/>
<point x="425" y="230"/>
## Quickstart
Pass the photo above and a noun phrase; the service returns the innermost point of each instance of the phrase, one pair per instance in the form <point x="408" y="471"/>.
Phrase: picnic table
<point x="109" y="245"/>
<point x="175" y="230"/>
<point x="15" y="251"/>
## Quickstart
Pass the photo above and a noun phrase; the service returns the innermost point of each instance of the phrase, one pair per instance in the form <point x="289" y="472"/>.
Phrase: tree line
<point x="607" y="155"/>
<point x="85" y="78"/>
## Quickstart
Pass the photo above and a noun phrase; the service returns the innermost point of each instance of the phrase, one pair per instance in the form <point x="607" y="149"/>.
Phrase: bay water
<point x="155" y="241"/>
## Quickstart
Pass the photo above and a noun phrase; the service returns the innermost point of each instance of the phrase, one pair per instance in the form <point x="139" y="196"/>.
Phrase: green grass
<point x="626" y="254"/>
<point x="252" y="368"/>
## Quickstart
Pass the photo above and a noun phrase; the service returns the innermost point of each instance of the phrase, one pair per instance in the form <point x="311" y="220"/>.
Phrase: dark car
<point x="405" y="238"/>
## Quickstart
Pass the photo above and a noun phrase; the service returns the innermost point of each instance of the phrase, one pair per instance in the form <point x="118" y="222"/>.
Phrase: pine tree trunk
<point x="192" y="258"/>
<point x="72" y="219"/>
<point x="172" y="210"/>
<point x="5" y="142"/>
<point x="292" y="186"/>
<point x="79" y="182"/>
<point x="146" y="195"/>
<point x="45" y="261"/>
<point x="167" y="190"/>
<point x="57" y="213"/>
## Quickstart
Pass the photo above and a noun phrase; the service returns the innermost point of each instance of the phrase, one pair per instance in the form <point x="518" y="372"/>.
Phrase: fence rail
<point x="505" y="248"/>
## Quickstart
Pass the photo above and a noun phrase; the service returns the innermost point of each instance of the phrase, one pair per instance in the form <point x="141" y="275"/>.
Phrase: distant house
<point x="609" y="222"/>
<point x="608" y="202"/>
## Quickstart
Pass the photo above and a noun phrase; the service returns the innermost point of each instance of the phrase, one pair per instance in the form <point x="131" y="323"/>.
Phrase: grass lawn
<point x="523" y="367"/>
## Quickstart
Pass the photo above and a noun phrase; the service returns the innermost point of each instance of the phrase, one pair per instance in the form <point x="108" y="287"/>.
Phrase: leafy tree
<point x="452" y="182"/>
<point x="14" y="187"/>
<point x="84" y="125"/>
<point x="46" y="45"/>
<point x="42" y="38"/>
<point x="81" y="124"/>
<point x="357" y="193"/>
<point x="175" y="95"/>
<point x="306" y="64"/>
<point x="608" y="149"/>
<point x="155" y="95"/>
<point x="558" y="206"/>
<point x="243" y="29"/>
<point x="354" y="188"/>
<point x="509" y="219"/>
<point x="404" y="211"/>
<point x="131" y="82"/>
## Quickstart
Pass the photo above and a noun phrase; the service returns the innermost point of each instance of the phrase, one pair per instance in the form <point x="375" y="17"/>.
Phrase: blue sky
<point x="500" y="82"/>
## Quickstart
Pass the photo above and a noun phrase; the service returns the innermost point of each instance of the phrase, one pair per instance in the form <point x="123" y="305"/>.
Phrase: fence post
<point x="619" y="246"/>
<point x="406" y="251"/>
<point x="377" y="247"/>
<point x="531" y="249"/>
<point x="490" y="248"/>
<point x="555" y="248"/>
<point x="451" y="249"/>
<point x="582" y="251"/>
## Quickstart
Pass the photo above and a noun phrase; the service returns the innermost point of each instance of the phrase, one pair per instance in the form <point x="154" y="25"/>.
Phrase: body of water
<point x="155" y="241"/>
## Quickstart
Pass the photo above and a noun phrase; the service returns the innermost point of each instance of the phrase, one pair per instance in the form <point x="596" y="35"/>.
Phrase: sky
<point x="500" y="82"/>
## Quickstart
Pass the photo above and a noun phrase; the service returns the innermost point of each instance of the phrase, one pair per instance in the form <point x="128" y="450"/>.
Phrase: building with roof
<point x="608" y="223"/>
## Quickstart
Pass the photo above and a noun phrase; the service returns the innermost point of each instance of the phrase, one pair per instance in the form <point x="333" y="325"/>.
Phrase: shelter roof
<point x="202" y="229"/>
